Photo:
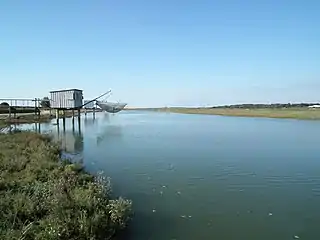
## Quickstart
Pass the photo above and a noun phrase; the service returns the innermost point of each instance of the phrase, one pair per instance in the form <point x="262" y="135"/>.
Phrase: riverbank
<point x="289" y="113"/>
<point x="25" y="118"/>
<point x="16" y="110"/>
<point x="45" y="197"/>
<point x="45" y="116"/>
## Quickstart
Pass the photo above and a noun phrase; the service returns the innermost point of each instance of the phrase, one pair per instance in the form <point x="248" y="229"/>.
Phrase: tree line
<point x="272" y="105"/>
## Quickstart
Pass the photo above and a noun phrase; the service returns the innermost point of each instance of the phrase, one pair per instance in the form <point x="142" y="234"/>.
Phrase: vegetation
<point x="4" y="105"/>
<point x="45" y="102"/>
<point x="2" y="123"/>
<point x="45" y="197"/>
<point x="293" y="113"/>
<point x="272" y="105"/>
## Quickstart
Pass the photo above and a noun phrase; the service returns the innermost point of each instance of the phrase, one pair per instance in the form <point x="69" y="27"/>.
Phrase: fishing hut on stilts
<point x="63" y="101"/>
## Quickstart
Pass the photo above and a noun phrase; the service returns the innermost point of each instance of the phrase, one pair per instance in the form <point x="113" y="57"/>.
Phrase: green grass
<point x="2" y="123"/>
<point x="44" y="197"/>
<point x="292" y="113"/>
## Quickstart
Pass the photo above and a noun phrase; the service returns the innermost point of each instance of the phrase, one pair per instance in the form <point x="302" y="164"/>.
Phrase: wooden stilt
<point x="79" y="123"/>
<point x="9" y="112"/>
<point x="64" y="119"/>
<point x="73" y="118"/>
<point x="57" y="116"/>
<point x="35" y="107"/>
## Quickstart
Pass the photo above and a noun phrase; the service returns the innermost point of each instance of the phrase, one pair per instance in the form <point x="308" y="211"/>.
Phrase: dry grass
<point x="44" y="197"/>
<point x="293" y="113"/>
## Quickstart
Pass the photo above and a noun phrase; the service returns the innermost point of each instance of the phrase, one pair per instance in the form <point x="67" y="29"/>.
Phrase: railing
<point x="20" y="102"/>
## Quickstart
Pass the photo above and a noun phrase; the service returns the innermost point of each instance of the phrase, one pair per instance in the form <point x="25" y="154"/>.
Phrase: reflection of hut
<point x="110" y="133"/>
<point x="89" y="121"/>
<point x="70" y="142"/>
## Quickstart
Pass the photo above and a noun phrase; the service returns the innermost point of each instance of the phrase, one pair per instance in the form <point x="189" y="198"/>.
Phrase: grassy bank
<point x="44" y="197"/>
<point x="293" y="113"/>
<point x="16" y="110"/>
<point x="25" y="119"/>
<point x="2" y="124"/>
<point x="31" y="118"/>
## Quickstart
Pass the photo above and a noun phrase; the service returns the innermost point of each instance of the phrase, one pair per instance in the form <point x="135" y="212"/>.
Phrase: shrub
<point x="42" y="197"/>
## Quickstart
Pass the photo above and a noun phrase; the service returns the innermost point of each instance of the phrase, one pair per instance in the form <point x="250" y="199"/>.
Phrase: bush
<point x="45" y="102"/>
<point x="4" y="105"/>
<point x="43" y="197"/>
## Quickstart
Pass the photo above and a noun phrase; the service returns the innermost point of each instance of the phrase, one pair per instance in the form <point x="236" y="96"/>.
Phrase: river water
<point x="205" y="177"/>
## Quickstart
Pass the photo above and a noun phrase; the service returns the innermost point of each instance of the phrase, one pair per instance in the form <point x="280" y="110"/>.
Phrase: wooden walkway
<point x="21" y="102"/>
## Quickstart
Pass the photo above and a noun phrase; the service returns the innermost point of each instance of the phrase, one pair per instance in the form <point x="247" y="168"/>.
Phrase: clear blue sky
<point x="168" y="52"/>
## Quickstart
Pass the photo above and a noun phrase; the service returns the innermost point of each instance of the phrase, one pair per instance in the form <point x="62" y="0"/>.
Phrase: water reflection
<point x="106" y="117"/>
<point x="7" y="129"/>
<point x="89" y="121"/>
<point x="109" y="133"/>
<point x="37" y="127"/>
<point x="71" y="140"/>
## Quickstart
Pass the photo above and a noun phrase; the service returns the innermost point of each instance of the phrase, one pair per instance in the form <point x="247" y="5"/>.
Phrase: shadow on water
<point x="144" y="224"/>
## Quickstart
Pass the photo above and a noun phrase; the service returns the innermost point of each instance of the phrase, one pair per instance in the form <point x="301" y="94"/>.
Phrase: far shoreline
<point x="300" y="113"/>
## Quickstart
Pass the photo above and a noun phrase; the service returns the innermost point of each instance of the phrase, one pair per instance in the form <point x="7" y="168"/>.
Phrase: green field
<point x="45" y="197"/>
<point x="293" y="113"/>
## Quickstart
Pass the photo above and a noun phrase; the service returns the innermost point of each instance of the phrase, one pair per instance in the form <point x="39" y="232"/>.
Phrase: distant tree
<point x="4" y="105"/>
<point x="271" y="106"/>
<point x="45" y="102"/>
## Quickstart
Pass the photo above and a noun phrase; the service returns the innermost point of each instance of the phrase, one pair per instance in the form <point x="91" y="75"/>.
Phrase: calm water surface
<point x="206" y="177"/>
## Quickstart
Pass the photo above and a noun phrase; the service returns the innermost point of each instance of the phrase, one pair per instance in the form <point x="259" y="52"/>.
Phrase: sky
<point x="162" y="53"/>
